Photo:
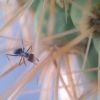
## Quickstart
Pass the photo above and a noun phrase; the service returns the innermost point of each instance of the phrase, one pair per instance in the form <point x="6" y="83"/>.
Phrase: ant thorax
<point x="24" y="54"/>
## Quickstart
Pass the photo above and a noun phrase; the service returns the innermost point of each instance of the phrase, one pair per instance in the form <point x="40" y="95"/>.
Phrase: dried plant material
<point x="14" y="91"/>
<point x="43" y="73"/>
<point x="51" y="21"/>
<point x="56" y="85"/>
<point x="66" y="4"/>
<point x="18" y="87"/>
<point x="71" y="44"/>
<point x="70" y="78"/>
<point x="43" y="10"/>
<point x="50" y="38"/>
<point x="47" y="95"/>
<point x="89" y="93"/>
<point x="99" y="75"/>
<point x="16" y="15"/>
<point x="87" y="51"/>
<point x="9" y="68"/>
<point x="66" y="87"/>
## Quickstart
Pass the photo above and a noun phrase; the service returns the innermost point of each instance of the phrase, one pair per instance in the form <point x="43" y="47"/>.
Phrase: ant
<point x="24" y="54"/>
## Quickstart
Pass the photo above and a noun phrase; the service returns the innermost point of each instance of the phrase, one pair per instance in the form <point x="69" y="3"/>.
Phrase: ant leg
<point x="7" y="57"/>
<point x="20" y="61"/>
<point x="29" y="48"/>
<point x="24" y="61"/>
<point x="11" y="55"/>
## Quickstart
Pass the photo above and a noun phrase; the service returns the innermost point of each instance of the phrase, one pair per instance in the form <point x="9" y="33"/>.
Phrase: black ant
<point x="24" y="54"/>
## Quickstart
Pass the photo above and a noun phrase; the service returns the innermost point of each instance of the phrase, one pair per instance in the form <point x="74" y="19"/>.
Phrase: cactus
<point x="77" y="17"/>
<point x="61" y="24"/>
<point x="66" y="35"/>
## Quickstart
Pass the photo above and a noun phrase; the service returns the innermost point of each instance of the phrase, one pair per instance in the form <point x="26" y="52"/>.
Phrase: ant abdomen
<point x="31" y="58"/>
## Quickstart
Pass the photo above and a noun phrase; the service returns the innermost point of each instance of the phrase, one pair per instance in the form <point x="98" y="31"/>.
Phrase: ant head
<point x="18" y="51"/>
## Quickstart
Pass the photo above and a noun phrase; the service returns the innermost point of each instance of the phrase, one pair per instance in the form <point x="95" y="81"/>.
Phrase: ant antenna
<point x="22" y="42"/>
<point x="7" y="57"/>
